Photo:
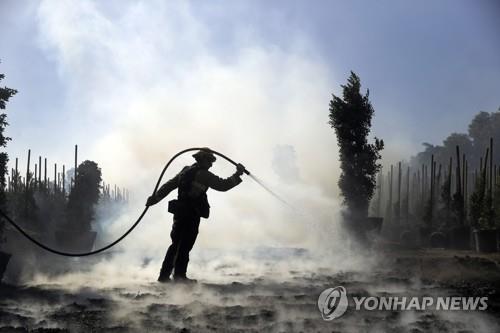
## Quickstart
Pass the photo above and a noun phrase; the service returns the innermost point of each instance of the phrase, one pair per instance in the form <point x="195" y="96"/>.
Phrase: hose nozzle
<point x="241" y="167"/>
<point x="227" y="158"/>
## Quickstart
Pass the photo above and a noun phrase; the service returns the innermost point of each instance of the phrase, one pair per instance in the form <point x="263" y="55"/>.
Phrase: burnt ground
<point x="266" y="303"/>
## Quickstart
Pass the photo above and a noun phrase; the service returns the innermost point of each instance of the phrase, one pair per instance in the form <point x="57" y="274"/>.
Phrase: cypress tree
<point x="351" y="117"/>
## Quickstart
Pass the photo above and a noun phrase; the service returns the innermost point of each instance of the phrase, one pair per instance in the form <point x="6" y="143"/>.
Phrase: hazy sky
<point x="130" y="80"/>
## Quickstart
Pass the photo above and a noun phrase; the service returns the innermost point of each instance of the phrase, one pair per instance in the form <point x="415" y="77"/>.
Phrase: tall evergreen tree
<point x="351" y="117"/>
<point x="5" y="95"/>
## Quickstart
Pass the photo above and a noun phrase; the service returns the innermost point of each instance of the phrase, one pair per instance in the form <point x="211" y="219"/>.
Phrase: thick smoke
<point x="150" y="79"/>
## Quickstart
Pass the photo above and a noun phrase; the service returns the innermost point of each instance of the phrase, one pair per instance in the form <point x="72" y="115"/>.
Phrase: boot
<point x="183" y="279"/>
<point x="164" y="278"/>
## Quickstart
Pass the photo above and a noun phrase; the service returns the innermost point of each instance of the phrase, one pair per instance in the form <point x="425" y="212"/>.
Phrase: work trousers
<point x="183" y="235"/>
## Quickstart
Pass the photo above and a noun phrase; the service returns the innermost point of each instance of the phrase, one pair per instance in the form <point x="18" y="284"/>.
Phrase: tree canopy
<point x="483" y="126"/>
<point x="5" y="94"/>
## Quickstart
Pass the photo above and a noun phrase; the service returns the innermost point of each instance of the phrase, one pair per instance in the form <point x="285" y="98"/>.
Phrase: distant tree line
<point x="473" y="144"/>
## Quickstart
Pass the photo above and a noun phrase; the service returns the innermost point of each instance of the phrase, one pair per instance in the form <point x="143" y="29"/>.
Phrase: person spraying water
<point x="191" y="204"/>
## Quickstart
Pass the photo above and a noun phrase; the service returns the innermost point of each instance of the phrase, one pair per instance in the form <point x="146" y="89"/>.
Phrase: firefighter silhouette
<point x="191" y="204"/>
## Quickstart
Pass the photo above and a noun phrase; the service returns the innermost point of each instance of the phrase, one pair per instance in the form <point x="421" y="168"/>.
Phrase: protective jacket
<point x="192" y="183"/>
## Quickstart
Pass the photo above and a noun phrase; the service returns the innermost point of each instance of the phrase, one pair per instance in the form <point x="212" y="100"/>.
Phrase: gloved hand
<point x="151" y="200"/>
<point x="240" y="169"/>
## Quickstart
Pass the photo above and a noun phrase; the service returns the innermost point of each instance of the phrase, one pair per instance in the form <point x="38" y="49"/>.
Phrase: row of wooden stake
<point x="426" y="185"/>
<point x="16" y="182"/>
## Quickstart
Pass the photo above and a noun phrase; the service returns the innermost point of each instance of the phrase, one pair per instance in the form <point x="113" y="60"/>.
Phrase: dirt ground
<point x="266" y="303"/>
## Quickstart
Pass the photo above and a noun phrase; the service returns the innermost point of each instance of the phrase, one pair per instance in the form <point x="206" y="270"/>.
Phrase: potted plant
<point x="424" y="233"/>
<point x="485" y="237"/>
<point x="374" y="225"/>
<point x="438" y="240"/>
<point x="459" y="237"/>
<point x="409" y="238"/>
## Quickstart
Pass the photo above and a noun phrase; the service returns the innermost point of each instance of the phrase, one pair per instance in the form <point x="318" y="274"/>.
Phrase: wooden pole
<point x="484" y="171"/>
<point x="449" y="181"/>
<point x="432" y="183"/>
<point x="12" y="179"/>
<point x="64" y="179"/>
<point x="45" y="173"/>
<point x="438" y="180"/>
<point x="380" y="182"/>
<point x="417" y="189"/>
<point x="495" y="177"/>
<point x="55" y="177"/>
<point x="466" y="186"/>
<point x="76" y="164"/>
<point x="459" y="185"/>
<point x="463" y="173"/>
<point x="423" y="185"/>
<point x="491" y="168"/>
<point x="39" y="171"/>
<point x="28" y="169"/>
<point x="399" y="193"/>
<point x="463" y="181"/>
<point x="407" y="209"/>
<point x="414" y="190"/>
<point x="390" y="195"/>
<point x="17" y="174"/>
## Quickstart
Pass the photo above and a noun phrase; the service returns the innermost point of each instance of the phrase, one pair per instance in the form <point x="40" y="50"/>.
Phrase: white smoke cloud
<point x="148" y="82"/>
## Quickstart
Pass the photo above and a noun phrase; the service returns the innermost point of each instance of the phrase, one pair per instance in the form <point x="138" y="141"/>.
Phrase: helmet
<point x="204" y="154"/>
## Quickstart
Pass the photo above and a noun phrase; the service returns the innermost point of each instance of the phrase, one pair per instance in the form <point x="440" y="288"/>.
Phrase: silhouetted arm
<point x="208" y="179"/>
<point x="164" y="190"/>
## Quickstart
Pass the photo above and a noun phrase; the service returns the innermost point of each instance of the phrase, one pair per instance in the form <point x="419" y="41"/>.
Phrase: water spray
<point x="261" y="183"/>
<point x="84" y="254"/>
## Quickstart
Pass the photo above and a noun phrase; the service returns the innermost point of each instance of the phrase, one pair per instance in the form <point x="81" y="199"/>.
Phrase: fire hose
<point x="83" y="254"/>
